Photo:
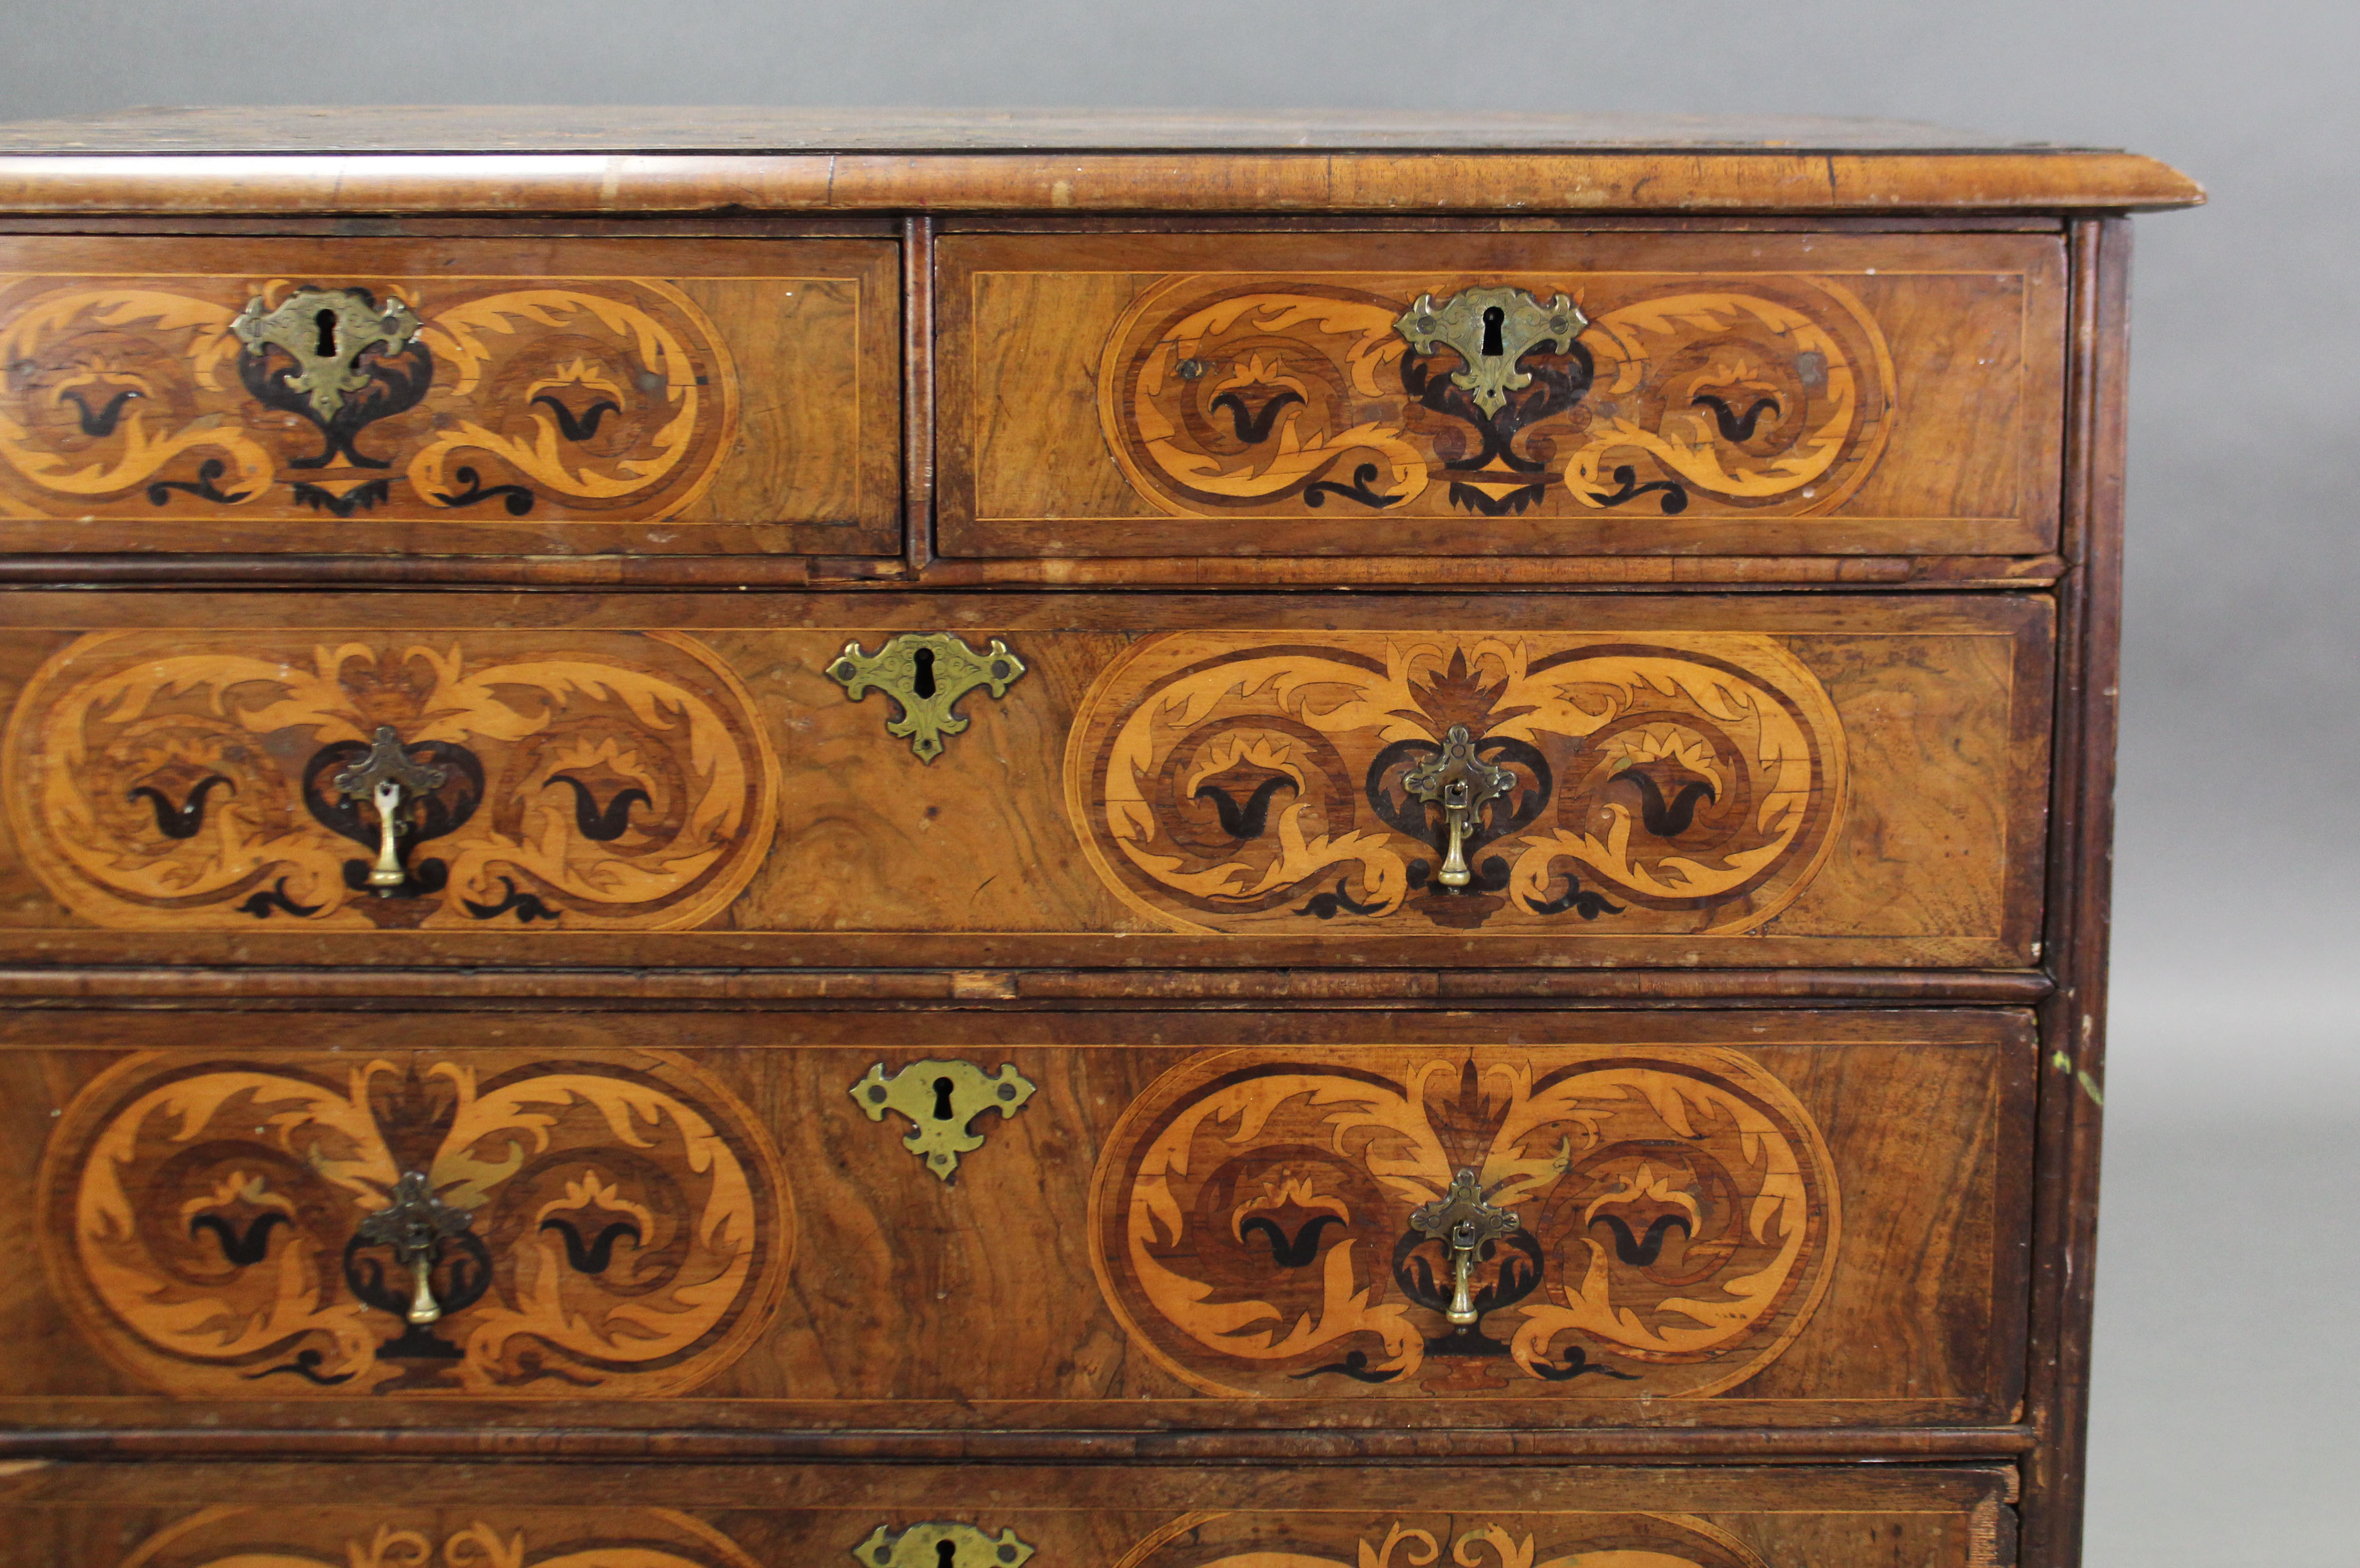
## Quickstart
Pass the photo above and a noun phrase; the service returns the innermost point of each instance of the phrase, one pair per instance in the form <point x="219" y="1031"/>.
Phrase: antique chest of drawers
<point x="764" y="838"/>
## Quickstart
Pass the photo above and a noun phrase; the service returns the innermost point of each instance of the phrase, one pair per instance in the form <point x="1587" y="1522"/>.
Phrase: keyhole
<point x="925" y="683"/>
<point x="326" y="322"/>
<point x="941" y="1099"/>
<point x="945" y="1555"/>
<point x="1493" y="318"/>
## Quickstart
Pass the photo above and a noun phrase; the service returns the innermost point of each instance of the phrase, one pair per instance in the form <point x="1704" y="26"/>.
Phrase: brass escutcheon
<point x="940" y="1098"/>
<point x="927" y="673"/>
<point x="941" y="1546"/>
<point x="326" y="331"/>
<point x="1462" y="784"/>
<point x="1462" y="1221"/>
<point x="1491" y="329"/>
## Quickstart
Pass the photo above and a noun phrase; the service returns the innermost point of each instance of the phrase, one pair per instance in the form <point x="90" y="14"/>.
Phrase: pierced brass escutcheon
<point x="941" y="1546"/>
<point x="1462" y="1221"/>
<point x="1462" y="784"/>
<point x="1491" y="329"/>
<point x="415" y="1223"/>
<point x="940" y="1098"/>
<point x="326" y="331"/>
<point x="927" y="673"/>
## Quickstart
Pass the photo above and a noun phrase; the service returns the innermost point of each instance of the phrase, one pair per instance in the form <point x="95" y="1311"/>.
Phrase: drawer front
<point x="1518" y="394"/>
<point x="787" y="1220"/>
<point x="516" y="396"/>
<point x="449" y="1516"/>
<point x="1555" y="780"/>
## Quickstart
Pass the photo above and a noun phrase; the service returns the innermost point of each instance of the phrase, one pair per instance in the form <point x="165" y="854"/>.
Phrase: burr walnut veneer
<point x="1301" y="843"/>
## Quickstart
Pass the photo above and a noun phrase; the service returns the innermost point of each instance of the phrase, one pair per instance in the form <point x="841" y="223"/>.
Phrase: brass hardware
<point x="381" y="778"/>
<point x="927" y="673"/>
<point x="415" y="1223"/>
<point x="1462" y="784"/>
<point x="941" y="1546"/>
<point x="1464" y="1222"/>
<point x="327" y="331"/>
<point x="940" y="1098"/>
<point x="1491" y="329"/>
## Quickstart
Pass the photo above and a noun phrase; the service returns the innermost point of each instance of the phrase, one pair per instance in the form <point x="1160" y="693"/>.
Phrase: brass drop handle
<point x="414" y="1224"/>
<point x="1462" y="1221"/>
<point x="1461" y="783"/>
<point x="385" y="778"/>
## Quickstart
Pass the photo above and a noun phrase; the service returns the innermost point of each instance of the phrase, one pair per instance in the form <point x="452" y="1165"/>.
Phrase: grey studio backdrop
<point x="2227" y="1375"/>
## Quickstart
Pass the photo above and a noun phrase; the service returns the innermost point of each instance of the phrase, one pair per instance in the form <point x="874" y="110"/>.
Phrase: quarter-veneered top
<point x="621" y="160"/>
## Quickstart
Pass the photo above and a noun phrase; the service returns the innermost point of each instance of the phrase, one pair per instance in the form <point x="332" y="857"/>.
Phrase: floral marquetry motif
<point x="285" y="1223"/>
<point x="360" y="781"/>
<point x="1367" y="394"/>
<point x="1289" y="1540"/>
<point x="194" y="396"/>
<point x="1672" y="1220"/>
<point x="1665" y="783"/>
<point x="358" y="1536"/>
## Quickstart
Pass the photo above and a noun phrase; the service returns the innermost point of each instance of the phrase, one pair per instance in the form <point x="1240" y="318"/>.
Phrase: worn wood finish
<point x="697" y="1220"/>
<point x="667" y="896"/>
<point x="1760" y="781"/>
<point x="523" y="396"/>
<point x="195" y="1516"/>
<point x="1219" y="394"/>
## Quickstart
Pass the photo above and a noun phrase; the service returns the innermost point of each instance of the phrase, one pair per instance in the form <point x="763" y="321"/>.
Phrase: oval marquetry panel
<point x="1224" y="396"/>
<point x="156" y="398"/>
<point x="599" y="781"/>
<point x="1409" y="1539"/>
<point x="626" y="1228"/>
<point x="1661" y="784"/>
<point x="1678" y="1220"/>
<point x="404" y="1535"/>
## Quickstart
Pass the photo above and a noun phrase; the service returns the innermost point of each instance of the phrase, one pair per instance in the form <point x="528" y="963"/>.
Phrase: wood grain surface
<point x="1252" y="394"/>
<point x="1761" y="781"/>
<point x="540" y="397"/>
<point x="702" y="1221"/>
<point x="447" y="1515"/>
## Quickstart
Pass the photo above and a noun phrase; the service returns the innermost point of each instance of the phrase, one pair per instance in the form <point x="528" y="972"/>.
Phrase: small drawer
<point x="802" y="780"/>
<point x="728" y="1220"/>
<point x="1500" y="394"/>
<point x="518" y="397"/>
<point x="390" y="1514"/>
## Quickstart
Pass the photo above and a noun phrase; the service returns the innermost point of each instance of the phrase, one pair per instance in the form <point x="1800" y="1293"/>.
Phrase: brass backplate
<point x="927" y="673"/>
<point x="921" y="1546"/>
<point x="940" y="1099"/>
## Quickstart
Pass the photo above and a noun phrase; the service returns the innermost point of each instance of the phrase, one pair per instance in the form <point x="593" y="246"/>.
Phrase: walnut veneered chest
<point x="757" y="837"/>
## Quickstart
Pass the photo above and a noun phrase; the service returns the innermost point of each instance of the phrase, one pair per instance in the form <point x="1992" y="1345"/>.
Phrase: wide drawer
<point x="995" y="1221"/>
<point x="1500" y="394"/>
<point x="525" y="396"/>
<point x="395" y="1515"/>
<point x="1549" y="779"/>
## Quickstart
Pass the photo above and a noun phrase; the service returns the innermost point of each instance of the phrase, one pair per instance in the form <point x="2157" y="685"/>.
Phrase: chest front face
<point x="1189" y="857"/>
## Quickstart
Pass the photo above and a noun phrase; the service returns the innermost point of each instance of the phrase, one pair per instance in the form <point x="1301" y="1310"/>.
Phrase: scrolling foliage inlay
<point x="173" y="399"/>
<point x="1223" y="396"/>
<point x="189" y="780"/>
<point x="1303" y="1540"/>
<point x="1252" y="1220"/>
<point x="1659" y="783"/>
<point x="628" y="1230"/>
<point x="364" y="1536"/>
